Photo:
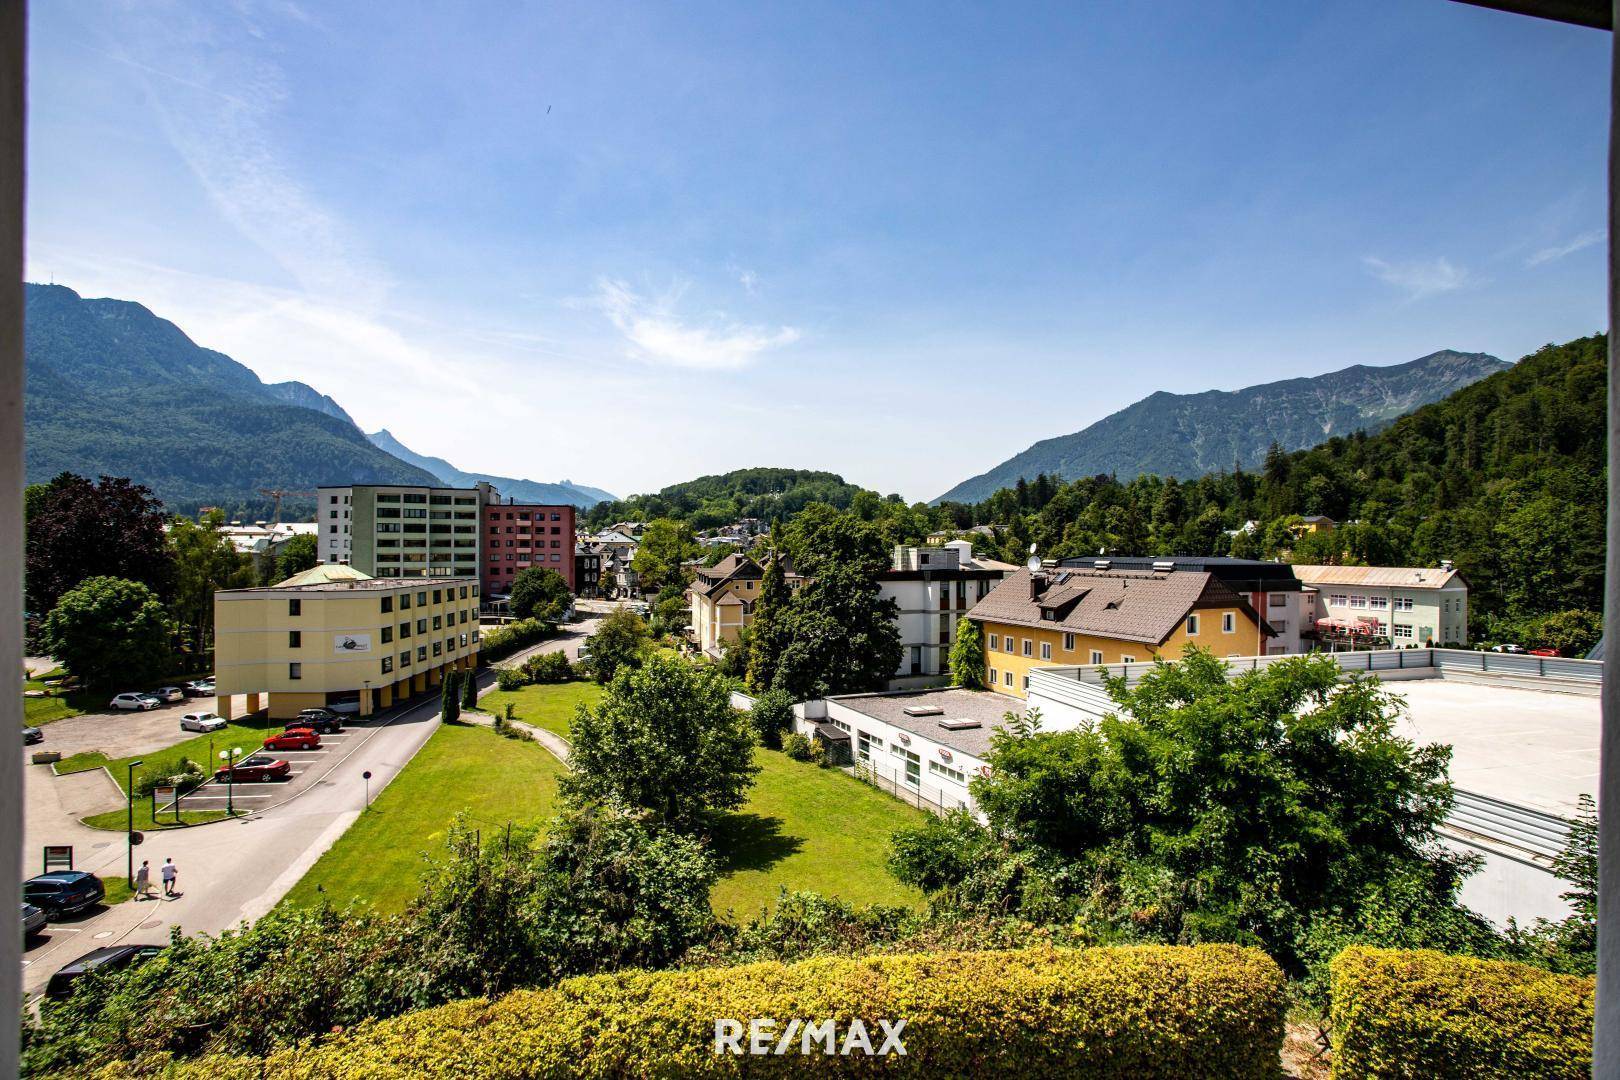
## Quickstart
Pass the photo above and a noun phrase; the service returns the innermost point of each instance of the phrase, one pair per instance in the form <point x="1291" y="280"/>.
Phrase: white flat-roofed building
<point x="1401" y="605"/>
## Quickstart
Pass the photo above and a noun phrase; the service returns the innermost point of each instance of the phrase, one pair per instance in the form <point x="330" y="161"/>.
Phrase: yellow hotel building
<point x="333" y="635"/>
<point x="1060" y="615"/>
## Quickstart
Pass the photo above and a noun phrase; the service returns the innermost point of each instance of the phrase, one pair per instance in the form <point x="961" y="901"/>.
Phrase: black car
<point x="63" y="892"/>
<point x="110" y="958"/>
<point x="321" y="721"/>
<point x="32" y="735"/>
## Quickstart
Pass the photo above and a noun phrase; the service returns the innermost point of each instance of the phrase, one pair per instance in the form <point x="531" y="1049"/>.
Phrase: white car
<point x="202" y="721"/>
<point x="134" y="702"/>
<point x="169" y="694"/>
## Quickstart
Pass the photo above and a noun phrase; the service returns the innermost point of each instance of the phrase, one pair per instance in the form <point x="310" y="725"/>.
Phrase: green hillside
<point x="710" y="501"/>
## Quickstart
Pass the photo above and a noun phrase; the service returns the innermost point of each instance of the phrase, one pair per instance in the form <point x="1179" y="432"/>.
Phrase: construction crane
<point x="278" y="494"/>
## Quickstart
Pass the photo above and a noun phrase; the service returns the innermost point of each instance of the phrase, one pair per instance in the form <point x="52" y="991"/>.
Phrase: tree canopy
<point x="539" y="592"/>
<point x="78" y="530"/>
<point x="109" y="631"/>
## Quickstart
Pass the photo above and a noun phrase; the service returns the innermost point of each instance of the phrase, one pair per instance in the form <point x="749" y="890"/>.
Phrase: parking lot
<point x="308" y="767"/>
<point x="121" y="734"/>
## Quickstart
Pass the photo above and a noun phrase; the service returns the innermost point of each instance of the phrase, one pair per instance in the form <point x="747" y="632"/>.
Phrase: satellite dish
<point x="1034" y="563"/>
<point x="1032" y="549"/>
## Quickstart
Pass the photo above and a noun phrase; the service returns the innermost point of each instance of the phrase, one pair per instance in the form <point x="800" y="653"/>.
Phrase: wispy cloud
<point x="656" y="332"/>
<point x="1558" y="251"/>
<point x="1419" y="278"/>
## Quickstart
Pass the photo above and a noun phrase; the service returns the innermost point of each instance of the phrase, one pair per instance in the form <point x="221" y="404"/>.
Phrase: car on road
<point x="169" y="694"/>
<point x="32" y="735"/>
<point x="63" y="892"/>
<point x="1545" y="652"/>
<point x="107" y="958"/>
<point x="262" y="768"/>
<point x="202" y="721"/>
<point x="320" y="721"/>
<point x="200" y="688"/>
<point x="1507" y="648"/>
<point x="33" y="919"/>
<point x="134" y="702"/>
<point x="294" y="739"/>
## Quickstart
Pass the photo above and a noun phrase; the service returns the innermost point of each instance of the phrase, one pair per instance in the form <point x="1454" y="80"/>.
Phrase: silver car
<point x="134" y="702"/>
<point x="169" y="694"/>
<point x="33" y="919"/>
<point x="202" y="721"/>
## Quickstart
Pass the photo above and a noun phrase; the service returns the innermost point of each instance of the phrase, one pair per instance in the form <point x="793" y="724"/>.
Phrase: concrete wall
<point x="1508" y="888"/>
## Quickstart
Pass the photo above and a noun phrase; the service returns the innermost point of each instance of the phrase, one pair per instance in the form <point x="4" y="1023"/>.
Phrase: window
<point x="421" y="626"/>
<point x="995" y="642"/>
<point x="1029" y="647"/>
<point x="404" y="630"/>
<point x="295" y="671"/>
<point x="913" y="765"/>
<point x="990" y="676"/>
<point x="405" y="659"/>
<point x="1404" y="603"/>
<point x="295" y="607"/>
<point x="1096" y="657"/>
<point x="1026" y="684"/>
<point x="1357" y="601"/>
<point x="1192" y="625"/>
<point x="438" y="622"/>
<point x="421" y="598"/>
<point x="1229" y="622"/>
<point x="295" y="639"/>
<point x="1006" y="678"/>
<point x="1379" y="602"/>
<point x="404" y="601"/>
<point x="1338" y="599"/>
<point x="947" y="772"/>
<point x="1126" y="659"/>
<point x="387" y="604"/>
<point x="421" y="652"/>
<point x="1046" y="650"/>
<point x="1277" y="599"/>
<point x="438" y="648"/>
<point x="387" y="634"/>
<point x="1068" y="643"/>
<point x="1403" y="630"/>
<point x="387" y="664"/>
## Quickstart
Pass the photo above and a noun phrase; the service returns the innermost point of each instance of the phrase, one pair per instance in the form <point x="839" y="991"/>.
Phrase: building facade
<point x="400" y="531"/>
<point x="518" y="536"/>
<point x="587" y="571"/>
<point x="1399" y="605"/>
<point x="1065" y="616"/>
<point x="723" y="598"/>
<point x="333" y="636"/>
<point x="934" y="586"/>
<point x="1271" y="588"/>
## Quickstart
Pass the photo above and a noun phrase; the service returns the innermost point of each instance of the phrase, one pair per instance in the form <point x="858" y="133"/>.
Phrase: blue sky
<point x="631" y="244"/>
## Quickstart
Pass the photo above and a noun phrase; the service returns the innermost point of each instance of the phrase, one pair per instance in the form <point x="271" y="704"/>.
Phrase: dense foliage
<point x="967" y="656"/>
<point x="620" y="640"/>
<point x="539" y="592"/>
<point x="204" y="561"/>
<point x="711" y="501"/>
<point x="503" y="641"/>
<point x="665" y="545"/>
<point x="1422" y="1013"/>
<point x="110" y="632"/>
<point x="1142" y="1013"/>
<point x="77" y="529"/>
<point x="771" y="717"/>
<point x="299" y="553"/>
<point x="664" y="739"/>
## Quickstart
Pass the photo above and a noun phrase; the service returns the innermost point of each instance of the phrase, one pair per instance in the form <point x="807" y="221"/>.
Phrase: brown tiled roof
<point x="1124" y="604"/>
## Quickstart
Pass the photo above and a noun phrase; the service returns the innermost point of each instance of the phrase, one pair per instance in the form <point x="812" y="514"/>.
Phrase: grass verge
<point x="550" y="706"/>
<point x="461" y="768"/>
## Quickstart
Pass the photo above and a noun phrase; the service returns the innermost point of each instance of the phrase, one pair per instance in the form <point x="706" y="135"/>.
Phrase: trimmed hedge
<point x="1416" y="1013"/>
<point x="1143" y="1011"/>
<point x="503" y="641"/>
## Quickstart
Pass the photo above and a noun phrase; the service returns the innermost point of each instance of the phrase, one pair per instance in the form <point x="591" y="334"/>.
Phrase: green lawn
<point x="550" y="706"/>
<point x="809" y="828"/>
<point x="42" y="710"/>
<point x="83" y="761"/>
<point x="461" y="768"/>
<point x="118" y="820"/>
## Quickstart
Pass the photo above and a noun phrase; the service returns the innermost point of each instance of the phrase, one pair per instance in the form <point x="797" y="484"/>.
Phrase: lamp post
<point x="129" y="824"/>
<point x="366" y="706"/>
<point x="229" y="758"/>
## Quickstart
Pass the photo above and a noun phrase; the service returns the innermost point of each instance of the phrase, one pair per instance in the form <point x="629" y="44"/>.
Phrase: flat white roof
<point x="1536" y="748"/>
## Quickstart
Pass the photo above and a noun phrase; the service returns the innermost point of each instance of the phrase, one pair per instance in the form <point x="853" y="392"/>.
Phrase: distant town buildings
<point x="1061" y="615"/>
<point x="333" y="636"/>
<point x="587" y="571"/>
<point x="395" y="531"/>
<point x="934" y="586"/>
<point x="723" y="598"/>
<point x="1404" y="605"/>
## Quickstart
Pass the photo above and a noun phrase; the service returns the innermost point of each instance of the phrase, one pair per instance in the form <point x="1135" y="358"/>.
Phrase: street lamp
<point x="366" y="706"/>
<point x="129" y="824"/>
<point x="229" y="758"/>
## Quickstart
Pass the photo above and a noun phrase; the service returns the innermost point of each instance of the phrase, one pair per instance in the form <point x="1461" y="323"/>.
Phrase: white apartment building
<point x="403" y="531"/>
<point x="1404" y="605"/>
<point x="934" y="588"/>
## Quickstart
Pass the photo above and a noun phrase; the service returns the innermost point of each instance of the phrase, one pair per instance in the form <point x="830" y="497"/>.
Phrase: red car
<point x="260" y="767"/>
<point x="294" y="739"/>
<point x="1545" y="652"/>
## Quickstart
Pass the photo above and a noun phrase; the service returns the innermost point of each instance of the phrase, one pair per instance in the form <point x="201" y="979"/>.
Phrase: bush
<point x="549" y="667"/>
<point x="797" y="747"/>
<point x="508" y="678"/>
<point x="1422" y="1013"/>
<point x="1149" y="1011"/>
<point x="771" y="715"/>
<point x="503" y="641"/>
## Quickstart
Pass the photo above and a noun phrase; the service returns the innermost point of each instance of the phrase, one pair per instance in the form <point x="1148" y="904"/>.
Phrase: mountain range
<point x="113" y="389"/>
<point x="523" y="491"/>
<point x="1188" y="435"/>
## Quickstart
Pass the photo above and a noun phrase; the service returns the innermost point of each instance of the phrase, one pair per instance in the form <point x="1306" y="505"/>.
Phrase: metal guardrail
<point x="1458" y="660"/>
<point x="1534" y="832"/>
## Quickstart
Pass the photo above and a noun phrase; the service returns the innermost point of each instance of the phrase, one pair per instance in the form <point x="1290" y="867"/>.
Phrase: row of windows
<point x="522" y="515"/>
<point x="1228" y="623"/>
<point x="1372" y="603"/>
<point x="513" y="543"/>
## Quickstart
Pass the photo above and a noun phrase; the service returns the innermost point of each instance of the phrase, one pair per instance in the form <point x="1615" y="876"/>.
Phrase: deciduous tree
<point x="79" y="530"/>
<point x="110" y="631"/>
<point x="539" y="592"/>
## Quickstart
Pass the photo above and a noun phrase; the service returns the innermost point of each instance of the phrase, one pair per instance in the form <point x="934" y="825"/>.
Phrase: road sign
<point x="137" y="838"/>
<point x="58" y="857"/>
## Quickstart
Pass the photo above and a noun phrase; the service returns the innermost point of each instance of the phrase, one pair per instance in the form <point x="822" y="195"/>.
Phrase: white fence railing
<point x="1458" y="660"/>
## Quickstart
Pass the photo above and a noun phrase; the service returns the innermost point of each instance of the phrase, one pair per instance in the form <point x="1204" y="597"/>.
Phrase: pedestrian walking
<point x="169" y="873"/>
<point x="143" y="881"/>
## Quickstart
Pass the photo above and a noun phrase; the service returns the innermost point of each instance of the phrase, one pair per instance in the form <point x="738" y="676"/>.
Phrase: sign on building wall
<point x="351" y="643"/>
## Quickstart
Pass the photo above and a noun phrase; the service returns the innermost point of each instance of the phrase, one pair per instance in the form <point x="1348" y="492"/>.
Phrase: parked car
<point x="199" y="688"/>
<point x="33" y="919"/>
<point x="321" y="721"/>
<point x="134" y="702"/>
<point x="32" y="735"/>
<point x="1545" y="652"/>
<point x="344" y="708"/>
<point x="63" y="892"/>
<point x="1507" y="648"/>
<point x="202" y="721"/>
<point x="298" y="738"/>
<point x="108" y="958"/>
<point x="169" y="694"/>
<point x="256" y="767"/>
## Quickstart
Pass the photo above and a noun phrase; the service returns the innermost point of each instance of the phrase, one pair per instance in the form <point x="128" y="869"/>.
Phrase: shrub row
<point x="1418" y="1013"/>
<point x="503" y="641"/>
<point x="1143" y="1011"/>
